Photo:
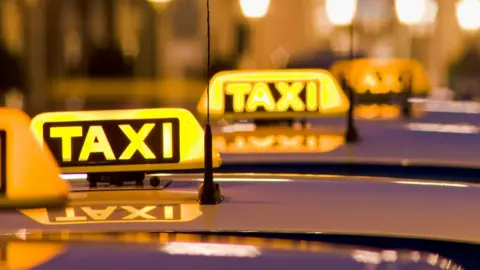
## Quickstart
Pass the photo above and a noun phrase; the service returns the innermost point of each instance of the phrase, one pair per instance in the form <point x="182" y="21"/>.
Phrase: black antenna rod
<point x="209" y="193"/>
<point x="351" y="134"/>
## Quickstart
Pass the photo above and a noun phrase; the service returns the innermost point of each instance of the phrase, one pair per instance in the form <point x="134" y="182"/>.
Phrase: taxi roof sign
<point x="381" y="76"/>
<point x="123" y="140"/>
<point x="273" y="94"/>
<point x="30" y="177"/>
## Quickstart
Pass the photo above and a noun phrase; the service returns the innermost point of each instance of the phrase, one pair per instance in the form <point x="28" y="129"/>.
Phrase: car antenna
<point x="209" y="193"/>
<point x="351" y="134"/>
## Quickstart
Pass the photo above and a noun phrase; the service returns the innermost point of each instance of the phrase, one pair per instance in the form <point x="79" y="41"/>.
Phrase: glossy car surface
<point x="270" y="203"/>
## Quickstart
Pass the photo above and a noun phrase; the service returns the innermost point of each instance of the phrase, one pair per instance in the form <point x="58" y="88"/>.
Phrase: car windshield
<point x="364" y="88"/>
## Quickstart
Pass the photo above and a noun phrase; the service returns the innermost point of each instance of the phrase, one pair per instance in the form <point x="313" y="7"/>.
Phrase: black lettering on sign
<point x="299" y="96"/>
<point x="114" y="142"/>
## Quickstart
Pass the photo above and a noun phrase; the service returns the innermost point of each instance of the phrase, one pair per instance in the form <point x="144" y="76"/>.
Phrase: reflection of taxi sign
<point x="274" y="93"/>
<point x="275" y="141"/>
<point x="29" y="177"/>
<point x="383" y="76"/>
<point x="86" y="214"/>
<point x="123" y="140"/>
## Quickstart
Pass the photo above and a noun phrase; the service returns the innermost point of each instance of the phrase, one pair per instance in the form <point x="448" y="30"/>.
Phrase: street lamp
<point x="342" y="13"/>
<point x="412" y="13"/>
<point x="252" y="11"/>
<point x="468" y="14"/>
<point x="159" y="4"/>
<point x="254" y="8"/>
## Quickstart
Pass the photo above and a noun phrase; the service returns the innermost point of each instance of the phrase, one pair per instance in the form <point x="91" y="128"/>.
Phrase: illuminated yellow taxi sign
<point x="277" y="143"/>
<point x="383" y="76"/>
<point x="123" y="140"/>
<point x="29" y="177"/>
<point x="115" y="214"/>
<point x="274" y="93"/>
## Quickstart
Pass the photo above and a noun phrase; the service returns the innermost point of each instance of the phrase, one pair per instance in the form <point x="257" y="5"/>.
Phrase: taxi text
<point x="114" y="142"/>
<point x="272" y="97"/>
<point x="115" y="213"/>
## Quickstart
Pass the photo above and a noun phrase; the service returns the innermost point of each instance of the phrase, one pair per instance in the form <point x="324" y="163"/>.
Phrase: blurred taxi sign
<point x="274" y="140"/>
<point x="123" y="140"/>
<point x="19" y="255"/>
<point x="273" y="94"/>
<point x="29" y="177"/>
<point x="383" y="76"/>
<point x="88" y="214"/>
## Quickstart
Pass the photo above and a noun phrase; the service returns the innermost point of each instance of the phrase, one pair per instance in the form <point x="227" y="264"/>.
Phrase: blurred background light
<point x="430" y="15"/>
<point x="468" y="14"/>
<point x="410" y="11"/>
<point x="341" y="12"/>
<point x="159" y="1"/>
<point x="254" y="8"/>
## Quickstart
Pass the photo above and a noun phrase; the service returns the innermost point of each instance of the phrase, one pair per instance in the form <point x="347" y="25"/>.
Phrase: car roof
<point x="181" y="252"/>
<point x="368" y="206"/>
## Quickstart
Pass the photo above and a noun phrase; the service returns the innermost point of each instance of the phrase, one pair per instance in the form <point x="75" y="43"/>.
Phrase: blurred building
<point x="167" y="38"/>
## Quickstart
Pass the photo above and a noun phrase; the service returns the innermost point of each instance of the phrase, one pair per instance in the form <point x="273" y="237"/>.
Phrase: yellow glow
<point x="25" y="162"/>
<point x="167" y="140"/>
<point x="341" y="12"/>
<point x="261" y="97"/>
<point x="137" y="141"/>
<point x="254" y="8"/>
<point x="29" y="255"/>
<point x="174" y="149"/>
<point x="468" y="14"/>
<point x="66" y="134"/>
<point x="264" y="142"/>
<point x="240" y="94"/>
<point x="70" y="216"/>
<point x="97" y="214"/>
<point x="159" y="1"/>
<point x="115" y="214"/>
<point x="290" y="97"/>
<point x="382" y="76"/>
<point x="411" y="12"/>
<point x="377" y="111"/>
<point x="96" y="142"/>
<point x="168" y="210"/>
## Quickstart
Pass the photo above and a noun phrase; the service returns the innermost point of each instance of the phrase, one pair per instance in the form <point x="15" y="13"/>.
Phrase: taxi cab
<point x="218" y="213"/>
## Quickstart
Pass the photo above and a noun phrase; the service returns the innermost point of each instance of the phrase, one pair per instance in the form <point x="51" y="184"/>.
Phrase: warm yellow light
<point x="468" y="14"/>
<point x="22" y="161"/>
<point x="281" y="142"/>
<point x="341" y="12"/>
<point x="86" y="214"/>
<point x="159" y="1"/>
<point x="431" y="12"/>
<point x="411" y="12"/>
<point x="254" y="8"/>
<point x="305" y="92"/>
<point x="87" y="141"/>
<point x="159" y="4"/>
